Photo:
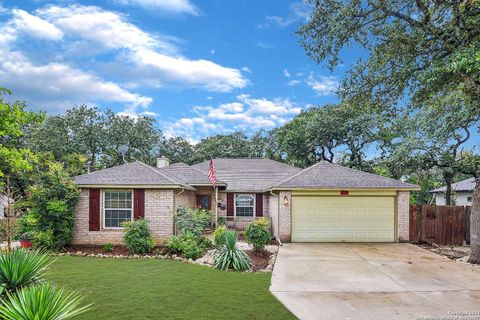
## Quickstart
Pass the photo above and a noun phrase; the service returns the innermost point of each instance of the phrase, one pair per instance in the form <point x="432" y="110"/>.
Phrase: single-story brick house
<point x="323" y="203"/>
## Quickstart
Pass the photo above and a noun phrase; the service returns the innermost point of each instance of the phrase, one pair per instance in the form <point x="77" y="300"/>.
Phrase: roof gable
<point x="326" y="175"/>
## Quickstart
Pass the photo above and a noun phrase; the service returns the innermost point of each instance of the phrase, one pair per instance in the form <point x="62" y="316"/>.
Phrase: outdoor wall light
<point x="285" y="200"/>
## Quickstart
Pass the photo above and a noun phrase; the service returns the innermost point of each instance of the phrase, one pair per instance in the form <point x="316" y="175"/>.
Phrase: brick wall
<point x="403" y="203"/>
<point x="273" y="212"/>
<point x="158" y="211"/>
<point x="187" y="199"/>
<point x="285" y="216"/>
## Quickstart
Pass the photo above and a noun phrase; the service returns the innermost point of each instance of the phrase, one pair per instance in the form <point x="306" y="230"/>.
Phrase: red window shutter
<point x="259" y="205"/>
<point x="94" y="210"/>
<point x="230" y="204"/>
<point x="139" y="204"/>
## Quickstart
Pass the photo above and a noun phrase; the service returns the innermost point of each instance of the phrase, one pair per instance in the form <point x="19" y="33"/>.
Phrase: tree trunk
<point x="448" y="193"/>
<point x="475" y="225"/>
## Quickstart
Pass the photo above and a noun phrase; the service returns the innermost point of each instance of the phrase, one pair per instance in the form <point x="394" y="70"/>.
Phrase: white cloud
<point x="323" y="86"/>
<point x="35" y="26"/>
<point x="174" y="6"/>
<point x="200" y="73"/>
<point x="263" y="45"/>
<point x="294" y="82"/>
<point x="137" y="59"/>
<point x="56" y="86"/>
<point x="245" y="114"/>
<point x="297" y="11"/>
<point x="286" y="73"/>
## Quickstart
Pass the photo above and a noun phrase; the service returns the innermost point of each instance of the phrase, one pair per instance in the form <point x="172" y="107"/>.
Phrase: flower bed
<point x="262" y="261"/>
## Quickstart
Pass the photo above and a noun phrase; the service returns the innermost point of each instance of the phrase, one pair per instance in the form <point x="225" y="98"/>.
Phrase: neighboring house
<point x="325" y="202"/>
<point x="462" y="193"/>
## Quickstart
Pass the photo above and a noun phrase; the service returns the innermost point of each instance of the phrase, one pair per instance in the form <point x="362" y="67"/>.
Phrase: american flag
<point x="211" y="173"/>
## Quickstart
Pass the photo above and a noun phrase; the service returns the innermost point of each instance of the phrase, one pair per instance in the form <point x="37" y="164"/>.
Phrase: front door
<point x="203" y="201"/>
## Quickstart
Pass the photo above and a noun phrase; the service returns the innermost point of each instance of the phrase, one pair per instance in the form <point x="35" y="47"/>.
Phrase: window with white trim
<point x="244" y="205"/>
<point x="117" y="208"/>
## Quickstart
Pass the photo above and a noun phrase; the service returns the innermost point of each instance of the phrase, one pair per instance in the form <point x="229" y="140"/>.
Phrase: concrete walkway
<point x="373" y="281"/>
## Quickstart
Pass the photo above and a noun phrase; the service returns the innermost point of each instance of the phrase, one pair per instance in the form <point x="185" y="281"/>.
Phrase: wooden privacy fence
<point x="443" y="225"/>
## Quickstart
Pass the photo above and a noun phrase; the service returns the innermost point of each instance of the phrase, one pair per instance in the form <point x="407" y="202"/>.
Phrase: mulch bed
<point x="451" y="252"/>
<point x="117" y="250"/>
<point x="259" y="259"/>
<point x="273" y="242"/>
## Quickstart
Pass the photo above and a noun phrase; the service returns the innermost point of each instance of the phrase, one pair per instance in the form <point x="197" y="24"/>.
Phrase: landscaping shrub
<point x="258" y="234"/>
<point x="192" y="220"/>
<point x="188" y="245"/>
<point x="50" y="207"/>
<point x="22" y="268"/>
<point x="219" y="235"/>
<point x="230" y="257"/>
<point x="137" y="236"/>
<point x="221" y="221"/>
<point x="42" y="302"/>
<point x="108" y="247"/>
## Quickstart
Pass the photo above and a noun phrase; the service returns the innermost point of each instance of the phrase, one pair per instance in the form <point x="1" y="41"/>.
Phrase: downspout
<point x="175" y="211"/>
<point x="278" y="218"/>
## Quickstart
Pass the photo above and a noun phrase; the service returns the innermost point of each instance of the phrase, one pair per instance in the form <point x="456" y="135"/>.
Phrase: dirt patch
<point x="117" y="250"/>
<point x="259" y="259"/>
<point x="451" y="252"/>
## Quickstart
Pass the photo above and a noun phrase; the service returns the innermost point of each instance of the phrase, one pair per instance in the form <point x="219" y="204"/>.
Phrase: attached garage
<point x="343" y="218"/>
<point x="331" y="203"/>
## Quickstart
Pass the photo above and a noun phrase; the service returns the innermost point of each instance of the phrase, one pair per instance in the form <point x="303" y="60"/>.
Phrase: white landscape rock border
<point x="205" y="260"/>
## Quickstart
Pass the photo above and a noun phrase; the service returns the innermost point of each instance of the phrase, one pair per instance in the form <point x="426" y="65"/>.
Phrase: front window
<point x="118" y="207"/>
<point x="244" y="205"/>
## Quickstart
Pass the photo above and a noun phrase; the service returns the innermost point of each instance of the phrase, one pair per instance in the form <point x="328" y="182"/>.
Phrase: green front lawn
<point x="165" y="289"/>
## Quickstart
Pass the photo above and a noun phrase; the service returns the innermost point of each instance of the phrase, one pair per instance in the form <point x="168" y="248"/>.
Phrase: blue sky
<point x="199" y="67"/>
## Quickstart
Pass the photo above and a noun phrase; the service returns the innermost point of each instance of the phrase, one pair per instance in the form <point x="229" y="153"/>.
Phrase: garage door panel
<point x="342" y="219"/>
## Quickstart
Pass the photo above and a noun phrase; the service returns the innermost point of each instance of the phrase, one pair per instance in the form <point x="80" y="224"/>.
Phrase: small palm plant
<point x="42" y="302"/>
<point x="21" y="268"/>
<point x="228" y="256"/>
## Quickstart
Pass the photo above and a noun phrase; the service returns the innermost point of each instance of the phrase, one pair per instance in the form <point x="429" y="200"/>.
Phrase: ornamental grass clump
<point x="21" y="268"/>
<point x="258" y="234"/>
<point x="229" y="256"/>
<point x="42" y="302"/>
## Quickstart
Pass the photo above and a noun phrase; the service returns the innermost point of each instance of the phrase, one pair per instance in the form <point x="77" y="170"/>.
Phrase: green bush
<point x="108" y="247"/>
<point x="42" y="302"/>
<point x="192" y="220"/>
<point x="188" y="245"/>
<point x="230" y="257"/>
<point x="50" y="208"/>
<point x="22" y="268"/>
<point x="185" y="244"/>
<point x="221" y="221"/>
<point x="219" y="235"/>
<point x="137" y="236"/>
<point x="258" y="234"/>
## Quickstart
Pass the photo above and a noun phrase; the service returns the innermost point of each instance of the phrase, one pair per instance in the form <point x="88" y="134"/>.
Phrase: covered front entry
<point x="317" y="218"/>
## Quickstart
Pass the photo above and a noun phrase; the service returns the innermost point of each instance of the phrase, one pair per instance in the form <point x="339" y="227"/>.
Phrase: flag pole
<point x="216" y="205"/>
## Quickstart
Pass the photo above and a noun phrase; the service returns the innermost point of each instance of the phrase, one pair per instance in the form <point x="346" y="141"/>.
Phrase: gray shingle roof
<point x="465" y="185"/>
<point x="325" y="175"/>
<point x="189" y="175"/>
<point x="135" y="173"/>
<point x="248" y="174"/>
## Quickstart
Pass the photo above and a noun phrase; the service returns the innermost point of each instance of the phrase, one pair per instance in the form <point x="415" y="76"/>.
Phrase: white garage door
<point x="343" y="219"/>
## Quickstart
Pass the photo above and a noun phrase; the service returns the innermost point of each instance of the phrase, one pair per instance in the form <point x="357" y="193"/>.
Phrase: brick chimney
<point x="162" y="162"/>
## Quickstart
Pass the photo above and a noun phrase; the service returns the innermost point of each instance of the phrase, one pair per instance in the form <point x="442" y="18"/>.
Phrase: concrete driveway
<point x="373" y="281"/>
